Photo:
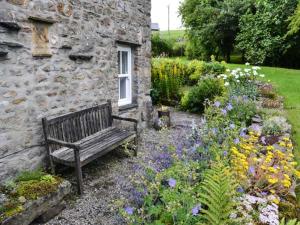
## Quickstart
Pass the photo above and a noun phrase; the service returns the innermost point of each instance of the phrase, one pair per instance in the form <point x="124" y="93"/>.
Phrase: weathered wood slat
<point x="66" y="155"/>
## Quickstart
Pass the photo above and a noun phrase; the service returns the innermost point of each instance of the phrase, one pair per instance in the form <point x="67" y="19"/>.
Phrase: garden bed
<point x="244" y="135"/>
<point x="32" y="196"/>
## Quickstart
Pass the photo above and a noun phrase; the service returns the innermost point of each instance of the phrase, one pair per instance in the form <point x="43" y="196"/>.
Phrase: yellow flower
<point x="286" y="139"/>
<point x="272" y="191"/>
<point x="297" y="173"/>
<point x="272" y="180"/>
<point x="282" y="144"/>
<point x="272" y="169"/>
<point x="276" y="201"/>
<point x="286" y="183"/>
<point x="290" y="145"/>
<point x="263" y="167"/>
<point x="270" y="148"/>
<point x="294" y="163"/>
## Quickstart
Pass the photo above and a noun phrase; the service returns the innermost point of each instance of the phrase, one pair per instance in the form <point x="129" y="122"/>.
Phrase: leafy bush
<point x="160" y="46"/>
<point x="200" y="68"/>
<point x="169" y="75"/>
<point x="276" y="126"/>
<point x="207" y="89"/>
<point x="172" y="195"/>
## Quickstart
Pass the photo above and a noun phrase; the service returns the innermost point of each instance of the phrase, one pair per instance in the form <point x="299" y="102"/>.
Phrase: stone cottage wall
<point x="59" y="56"/>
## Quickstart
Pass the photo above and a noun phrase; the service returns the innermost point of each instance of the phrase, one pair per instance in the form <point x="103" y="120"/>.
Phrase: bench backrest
<point x="75" y="126"/>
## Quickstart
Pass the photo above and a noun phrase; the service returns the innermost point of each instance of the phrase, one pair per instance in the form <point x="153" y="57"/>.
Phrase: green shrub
<point x="276" y="125"/>
<point x="30" y="175"/>
<point x="207" y="89"/>
<point x="160" y="46"/>
<point x="169" y="75"/>
<point x="178" y="49"/>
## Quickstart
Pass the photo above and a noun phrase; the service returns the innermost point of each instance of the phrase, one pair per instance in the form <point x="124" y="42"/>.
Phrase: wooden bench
<point x="76" y="139"/>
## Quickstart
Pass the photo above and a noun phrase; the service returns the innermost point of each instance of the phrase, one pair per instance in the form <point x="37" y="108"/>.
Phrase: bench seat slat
<point x="94" y="146"/>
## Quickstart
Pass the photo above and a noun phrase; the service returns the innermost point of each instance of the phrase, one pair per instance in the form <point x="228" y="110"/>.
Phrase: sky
<point x="159" y="14"/>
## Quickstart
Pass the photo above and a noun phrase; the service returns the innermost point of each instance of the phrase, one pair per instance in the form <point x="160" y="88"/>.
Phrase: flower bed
<point x="237" y="167"/>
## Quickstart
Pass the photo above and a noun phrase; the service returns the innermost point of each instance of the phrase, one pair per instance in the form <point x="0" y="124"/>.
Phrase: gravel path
<point x="108" y="178"/>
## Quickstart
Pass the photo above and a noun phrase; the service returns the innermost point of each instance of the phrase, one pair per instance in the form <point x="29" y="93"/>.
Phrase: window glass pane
<point x="119" y="62"/>
<point x="123" y="81"/>
<point x="124" y="62"/>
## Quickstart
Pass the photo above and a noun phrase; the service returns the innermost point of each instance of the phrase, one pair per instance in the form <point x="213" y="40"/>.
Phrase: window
<point x="124" y="70"/>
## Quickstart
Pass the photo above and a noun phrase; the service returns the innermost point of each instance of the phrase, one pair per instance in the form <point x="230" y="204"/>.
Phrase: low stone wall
<point x="61" y="56"/>
<point x="45" y="207"/>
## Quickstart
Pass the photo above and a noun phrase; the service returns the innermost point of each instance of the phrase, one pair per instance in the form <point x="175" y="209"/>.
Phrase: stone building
<point x="59" y="56"/>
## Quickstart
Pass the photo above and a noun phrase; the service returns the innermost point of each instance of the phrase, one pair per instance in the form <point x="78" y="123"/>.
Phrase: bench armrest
<point x="63" y="143"/>
<point x="125" y="119"/>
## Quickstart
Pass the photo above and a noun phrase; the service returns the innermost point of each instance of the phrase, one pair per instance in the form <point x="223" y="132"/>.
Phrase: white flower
<point x="228" y="70"/>
<point x="262" y="75"/>
<point x="247" y="70"/>
<point x="256" y="68"/>
<point x="255" y="73"/>
<point x="247" y="64"/>
<point x="226" y="84"/>
<point x="238" y="81"/>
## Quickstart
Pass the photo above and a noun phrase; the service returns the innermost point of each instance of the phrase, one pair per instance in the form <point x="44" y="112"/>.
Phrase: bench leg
<point x="78" y="173"/>
<point x="136" y="143"/>
<point x="52" y="166"/>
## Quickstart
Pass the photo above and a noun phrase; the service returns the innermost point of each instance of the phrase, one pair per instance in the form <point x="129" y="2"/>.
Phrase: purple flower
<point x="196" y="210"/>
<point x="217" y="104"/>
<point x="224" y="111"/>
<point x="243" y="132"/>
<point x="240" y="190"/>
<point x="229" y="107"/>
<point x="129" y="210"/>
<point x="251" y="170"/>
<point x="172" y="182"/>
<point x="232" y="126"/>
<point x="225" y="153"/>
<point x="236" y="141"/>
<point x="263" y="140"/>
<point x="264" y="193"/>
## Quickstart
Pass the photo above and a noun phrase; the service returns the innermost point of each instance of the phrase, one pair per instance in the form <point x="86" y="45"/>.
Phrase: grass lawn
<point x="287" y="82"/>
<point x="174" y="34"/>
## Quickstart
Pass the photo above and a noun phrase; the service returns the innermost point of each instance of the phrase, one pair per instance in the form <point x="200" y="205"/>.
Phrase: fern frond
<point x="216" y="195"/>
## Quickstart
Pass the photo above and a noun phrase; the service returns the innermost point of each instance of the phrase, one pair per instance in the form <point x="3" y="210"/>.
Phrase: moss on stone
<point x="33" y="189"/>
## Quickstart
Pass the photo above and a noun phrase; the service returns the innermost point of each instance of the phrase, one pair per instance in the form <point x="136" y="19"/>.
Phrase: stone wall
<point x="59" y="56"/>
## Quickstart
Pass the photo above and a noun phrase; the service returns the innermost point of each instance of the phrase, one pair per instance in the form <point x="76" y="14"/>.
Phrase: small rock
<point x="22" y="199"/>
<point x="3" y="199"/>
<point x="18" y="101"/>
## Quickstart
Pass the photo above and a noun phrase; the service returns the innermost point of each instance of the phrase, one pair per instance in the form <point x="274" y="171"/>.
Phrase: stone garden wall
<point x="59" y="56"/>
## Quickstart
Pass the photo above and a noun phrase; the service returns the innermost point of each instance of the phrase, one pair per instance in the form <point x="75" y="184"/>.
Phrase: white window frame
<point x="128" y="100"/>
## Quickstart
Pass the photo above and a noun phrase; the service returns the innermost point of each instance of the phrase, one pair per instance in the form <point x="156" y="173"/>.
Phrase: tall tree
<point x="212" y="26"/>
<point x="263" y="31"/>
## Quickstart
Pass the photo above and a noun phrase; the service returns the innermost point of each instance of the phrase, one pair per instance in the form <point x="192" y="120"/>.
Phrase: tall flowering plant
<point x="242" y="81"/>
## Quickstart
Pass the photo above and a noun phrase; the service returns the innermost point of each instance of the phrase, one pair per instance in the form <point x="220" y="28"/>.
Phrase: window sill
<point x="128" y="107"/>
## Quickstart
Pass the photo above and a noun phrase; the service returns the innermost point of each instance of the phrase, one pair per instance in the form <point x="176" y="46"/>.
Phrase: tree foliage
<point x="264" y="31"/>
<point x="294" y="25"/>
<point x="212" y="26"/>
